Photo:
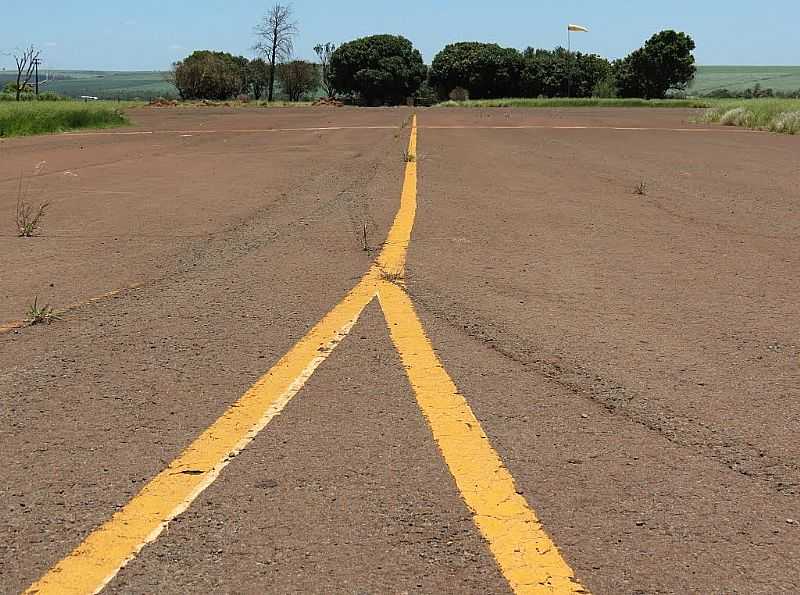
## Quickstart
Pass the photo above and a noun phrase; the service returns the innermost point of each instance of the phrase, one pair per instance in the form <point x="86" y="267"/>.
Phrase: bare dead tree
<point x="276" y="33"/>
<point x="324" y="53"/>
<point x="26" y="62"/>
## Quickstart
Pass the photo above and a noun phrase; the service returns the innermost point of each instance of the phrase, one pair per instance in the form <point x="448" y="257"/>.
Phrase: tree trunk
<point x="19" y="89"/>
<point x="272" y="59"/>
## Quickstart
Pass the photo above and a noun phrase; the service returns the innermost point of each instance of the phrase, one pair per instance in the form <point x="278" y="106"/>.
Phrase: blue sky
<point x="151" y="34"/>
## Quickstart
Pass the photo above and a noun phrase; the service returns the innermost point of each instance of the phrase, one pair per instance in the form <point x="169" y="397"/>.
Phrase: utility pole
<point x="36" y="63"/>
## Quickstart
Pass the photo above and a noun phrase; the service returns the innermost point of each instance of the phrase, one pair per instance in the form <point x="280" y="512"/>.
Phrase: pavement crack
<point x="737" y="455"/>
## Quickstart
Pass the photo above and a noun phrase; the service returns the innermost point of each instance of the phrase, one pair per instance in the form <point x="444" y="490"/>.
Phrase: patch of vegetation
<point x="776" y="115"/>
<point x="41" y="117"/>
<point x="29" y="218"/>
<point x="641" y="189"/>
<point x="40" y="314"/>
<point x="582" y="102"/>
<point x="665" y="63"/>
<point x="662" y="67"/>
<point x="380" y="69"/>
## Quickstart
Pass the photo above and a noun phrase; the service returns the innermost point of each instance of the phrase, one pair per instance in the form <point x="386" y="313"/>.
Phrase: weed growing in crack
<point x="641" y="188"/>
<point x="395" y="277"/>
<point x="40" y="314"/>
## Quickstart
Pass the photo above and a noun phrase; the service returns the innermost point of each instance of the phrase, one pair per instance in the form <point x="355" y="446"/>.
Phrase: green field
<point x="739" y="78"/>
<point x="102" y="84"/>
<point x="41" y="117"/>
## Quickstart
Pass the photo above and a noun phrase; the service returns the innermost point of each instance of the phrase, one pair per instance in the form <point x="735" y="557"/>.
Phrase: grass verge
<point x="41" y="117"/>
<point x="587" y="102"/>
<point x="775" y="115"/>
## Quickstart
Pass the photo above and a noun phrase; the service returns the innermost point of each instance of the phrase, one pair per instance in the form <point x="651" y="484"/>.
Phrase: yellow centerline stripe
<point x="105" y="551"/>
<point x="526" y="555"/>
<point x="96" y="561"/>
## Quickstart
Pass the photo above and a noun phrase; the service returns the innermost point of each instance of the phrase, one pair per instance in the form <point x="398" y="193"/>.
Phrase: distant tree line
<point x="387" y="69"/>
<point x="219" y="76"/>
<point x="755" y="92"/>
<point x="487" y="70"/>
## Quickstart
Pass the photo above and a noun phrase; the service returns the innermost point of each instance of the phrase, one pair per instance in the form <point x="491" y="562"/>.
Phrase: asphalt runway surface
<point x="289" y="358"/>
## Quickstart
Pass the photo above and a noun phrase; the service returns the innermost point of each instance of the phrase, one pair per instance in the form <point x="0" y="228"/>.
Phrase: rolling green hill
<point x="739" y="78"/>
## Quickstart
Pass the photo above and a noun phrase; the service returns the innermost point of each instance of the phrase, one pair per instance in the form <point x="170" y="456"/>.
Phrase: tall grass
<point x="41" y="117"/>
<point x="776" y="115"/>
<point x="586" y="102"/>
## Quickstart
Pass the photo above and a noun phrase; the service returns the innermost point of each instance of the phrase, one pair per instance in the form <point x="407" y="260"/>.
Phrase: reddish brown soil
<point x="634" y="359"/>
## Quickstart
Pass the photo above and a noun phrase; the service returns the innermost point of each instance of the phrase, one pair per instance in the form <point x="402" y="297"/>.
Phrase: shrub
<point x="458" y="94"/>
<point x="738" y="116"/>
<point x="211" y="75"/>
<point x="606" y="88"/>
<point x="485" y="70"/>
<point x="379" y="69"/>
<point x="786" y="123"/>
<point x="426" y="95"/>
<point x="298" y="78"/>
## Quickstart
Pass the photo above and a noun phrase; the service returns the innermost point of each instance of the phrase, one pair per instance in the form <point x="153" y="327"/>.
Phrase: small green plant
<point x="40" y="314"/>
<point x="409" y="157"/>
<point x="641" y="189"/>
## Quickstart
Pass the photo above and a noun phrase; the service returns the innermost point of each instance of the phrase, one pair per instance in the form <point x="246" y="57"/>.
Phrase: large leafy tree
<point x="665" y="62"/>
<point x="484" y="69"/>
<point x="379" y="69"/>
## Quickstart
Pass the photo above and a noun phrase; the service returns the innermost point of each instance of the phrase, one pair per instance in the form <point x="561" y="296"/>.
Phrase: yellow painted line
<point x="96" y="561"/>
<point x="7" y="327"/>
<point x="527" y="556"/>
<point x="105" y="551"/>
<point x="392" y="259"/>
